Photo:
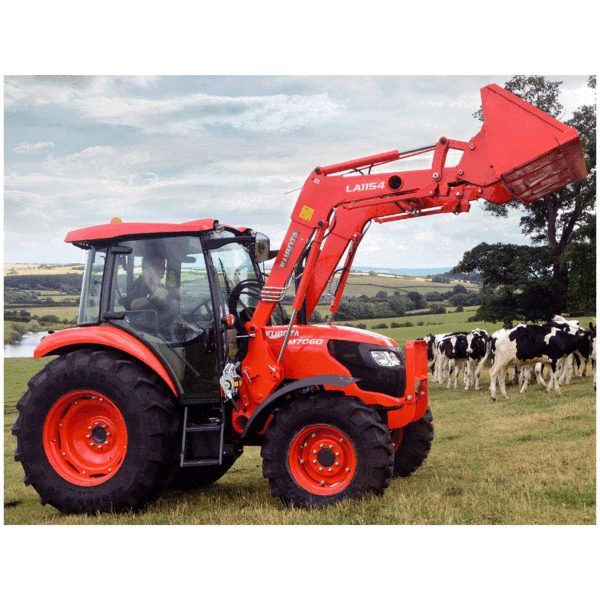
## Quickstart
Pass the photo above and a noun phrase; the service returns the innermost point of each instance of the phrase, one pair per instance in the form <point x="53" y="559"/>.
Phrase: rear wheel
<point x="415" y="445"/>
<point x="96" y="432"/>
<point x="325" y="448"/>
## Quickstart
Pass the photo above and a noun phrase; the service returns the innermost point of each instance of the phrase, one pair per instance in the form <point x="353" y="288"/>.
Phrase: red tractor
<point x="183" y="354"/>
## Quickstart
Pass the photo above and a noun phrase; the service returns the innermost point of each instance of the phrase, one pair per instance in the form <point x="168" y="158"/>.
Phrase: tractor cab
<point x="173" y="290"/>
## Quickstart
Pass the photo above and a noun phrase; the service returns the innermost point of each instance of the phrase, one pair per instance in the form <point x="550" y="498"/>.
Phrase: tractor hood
<point x="307" y="335"/>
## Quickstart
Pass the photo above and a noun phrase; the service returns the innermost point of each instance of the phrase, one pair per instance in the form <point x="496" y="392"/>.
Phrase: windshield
<point x="236" y="273"/>
<point x="89" y="306"/>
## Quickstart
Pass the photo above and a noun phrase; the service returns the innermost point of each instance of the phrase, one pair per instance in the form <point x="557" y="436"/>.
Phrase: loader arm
<point x="520" y="152"/>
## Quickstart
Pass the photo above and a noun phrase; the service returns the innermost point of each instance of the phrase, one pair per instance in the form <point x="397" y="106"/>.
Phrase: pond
<point x="25" y="347"/>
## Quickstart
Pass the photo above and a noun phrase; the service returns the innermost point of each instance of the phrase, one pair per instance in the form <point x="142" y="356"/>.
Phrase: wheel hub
<point x="322" y="459"/>
<point x="99" y="435"/>
<point x="326" y="457"/>
<point x="85" y="438"/>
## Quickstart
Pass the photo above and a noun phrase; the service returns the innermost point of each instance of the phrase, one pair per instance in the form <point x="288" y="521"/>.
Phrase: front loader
<point x="167" y="388"/>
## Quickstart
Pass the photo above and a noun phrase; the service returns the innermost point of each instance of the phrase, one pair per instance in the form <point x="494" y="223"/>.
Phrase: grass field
<point x="369" y="285"/>
<point x="39" y="269"/>
<point x="530" y="460"/>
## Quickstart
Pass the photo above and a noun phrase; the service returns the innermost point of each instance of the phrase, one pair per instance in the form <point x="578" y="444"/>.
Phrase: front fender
<point x="261" y="415"/>
<point x="61" y="341"/>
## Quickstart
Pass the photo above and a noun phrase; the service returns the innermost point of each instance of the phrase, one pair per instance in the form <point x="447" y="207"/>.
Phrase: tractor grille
<point x="356" y="357"/>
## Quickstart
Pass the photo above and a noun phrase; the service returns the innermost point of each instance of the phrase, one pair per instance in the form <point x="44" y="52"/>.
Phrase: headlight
<point x="385" y="359"/>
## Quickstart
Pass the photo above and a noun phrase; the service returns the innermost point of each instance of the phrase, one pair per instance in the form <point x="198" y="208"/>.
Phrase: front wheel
<point x="322" y="449"/>
<point x="96" y="432"/>
<point x="414" y="446"/>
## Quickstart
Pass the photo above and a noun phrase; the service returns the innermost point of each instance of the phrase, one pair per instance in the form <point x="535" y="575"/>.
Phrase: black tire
<point x="415" y="445"/>
<point x="190" y="478"/>
<point x="142" y="414"/>
<point x="357" y="462"/>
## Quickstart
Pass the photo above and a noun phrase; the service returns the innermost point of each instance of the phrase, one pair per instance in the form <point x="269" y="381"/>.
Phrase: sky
<point x="80" y="150"/>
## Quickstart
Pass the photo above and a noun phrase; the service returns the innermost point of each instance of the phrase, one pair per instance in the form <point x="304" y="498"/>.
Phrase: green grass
<point x="529" y="460"/>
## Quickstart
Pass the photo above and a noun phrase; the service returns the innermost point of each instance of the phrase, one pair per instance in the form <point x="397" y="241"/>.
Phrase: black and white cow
<point x="477" y="352"/>
<point x="433" y="355"/>
<point x="527" y="345"/>
<point x="452" y="350"/>
<point x="592" y="340"/>
<point x="575" y="361"/>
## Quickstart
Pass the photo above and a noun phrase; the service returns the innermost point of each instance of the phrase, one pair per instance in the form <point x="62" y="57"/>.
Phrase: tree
<point x="517" y="279"/>
<point x="564" y="221"/>
<point x="417" y="299"/>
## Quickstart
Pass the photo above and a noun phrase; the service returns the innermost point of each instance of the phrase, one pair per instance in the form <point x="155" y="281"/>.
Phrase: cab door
<point x="184" y="329"/>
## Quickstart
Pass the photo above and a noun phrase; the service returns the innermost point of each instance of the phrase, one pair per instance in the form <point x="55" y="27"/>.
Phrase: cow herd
<point x="564" y="346"/>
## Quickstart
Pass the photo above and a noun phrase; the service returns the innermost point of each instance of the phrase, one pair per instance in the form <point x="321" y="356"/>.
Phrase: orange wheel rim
<point x="85" y="438"/>
<point x="322" y="460"/>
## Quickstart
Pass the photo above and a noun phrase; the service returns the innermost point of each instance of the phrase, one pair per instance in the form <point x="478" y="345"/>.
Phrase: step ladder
<point x="212" y="428"/>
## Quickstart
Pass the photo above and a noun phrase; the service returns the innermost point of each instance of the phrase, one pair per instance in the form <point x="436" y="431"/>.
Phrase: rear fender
<point x="67" y="340"/>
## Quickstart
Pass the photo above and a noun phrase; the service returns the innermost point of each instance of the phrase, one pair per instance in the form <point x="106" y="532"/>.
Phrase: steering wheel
<point x="204" y="301"/>
<point x="248" y="287"/>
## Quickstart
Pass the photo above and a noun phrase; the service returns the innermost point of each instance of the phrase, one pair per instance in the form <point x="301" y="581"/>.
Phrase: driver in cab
<point x="147" y="291"/>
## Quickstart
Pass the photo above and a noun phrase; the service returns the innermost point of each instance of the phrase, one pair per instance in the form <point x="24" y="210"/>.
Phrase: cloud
<point x="113" y="101"/>
<point x="197" y="112"/>
<point x="87" y="149"/>
<point x="25" y="148"/>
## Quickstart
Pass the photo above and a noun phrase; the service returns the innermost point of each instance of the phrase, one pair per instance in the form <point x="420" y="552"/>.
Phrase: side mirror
<point x="262" y="246"/>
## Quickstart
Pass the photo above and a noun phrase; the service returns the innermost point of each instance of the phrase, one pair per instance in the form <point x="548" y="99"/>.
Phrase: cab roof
<point x="116" y="230"/>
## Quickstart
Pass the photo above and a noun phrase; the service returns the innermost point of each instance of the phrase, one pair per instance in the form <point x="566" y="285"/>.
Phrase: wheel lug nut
<point x="314" y="451"/>
<point x="320" y="468"/>
<point x="314" y="462"/>
<point x="91" y="443"/>
<point x="301" y="462"/>
<point x="337" y="453"/>
<point x="330" y="469"/>
<point x="323" y="483"/>
<point x="320" y="445"/>
<point x="313" y="435"/>
<point x="96" y="423"/>
<point x="337" y="464"/>
<point x="347" y="470"/>
<point x="330" y="446"/>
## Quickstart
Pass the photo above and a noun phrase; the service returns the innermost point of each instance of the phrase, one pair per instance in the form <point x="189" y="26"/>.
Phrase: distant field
<point x="446" y="323"/>
<point x="62" y="312"/>
<point x="369" y="285"/>
<point x="40" y="269"/>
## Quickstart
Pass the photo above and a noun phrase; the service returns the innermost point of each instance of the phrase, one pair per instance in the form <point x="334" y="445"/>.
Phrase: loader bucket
<point x="530" y="152"/>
